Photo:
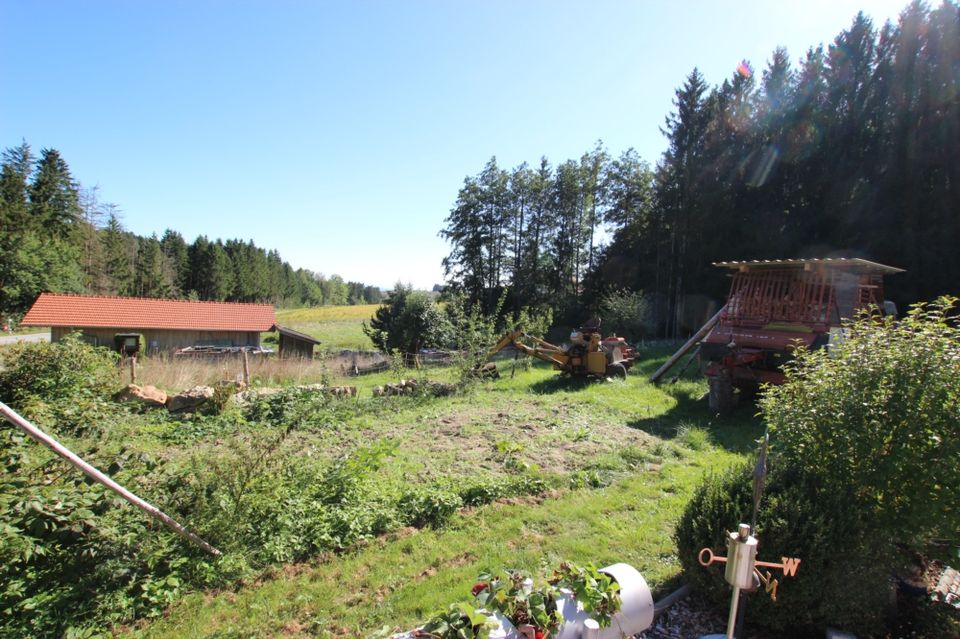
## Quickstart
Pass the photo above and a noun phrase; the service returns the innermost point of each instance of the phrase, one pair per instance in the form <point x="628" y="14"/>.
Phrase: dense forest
<point x="854" y="151"/>
<point x="56" y="236"/>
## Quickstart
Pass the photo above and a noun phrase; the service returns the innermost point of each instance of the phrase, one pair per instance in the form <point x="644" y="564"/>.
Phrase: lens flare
<point x="744" y="69"/>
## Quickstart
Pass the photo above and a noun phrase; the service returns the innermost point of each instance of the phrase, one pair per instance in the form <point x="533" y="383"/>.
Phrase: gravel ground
<point x="31" y="337"/>
<point x="692" y="618"/>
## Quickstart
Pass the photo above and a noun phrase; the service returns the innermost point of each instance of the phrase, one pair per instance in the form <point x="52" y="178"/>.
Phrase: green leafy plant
<point x="513" y="595"/>
<point x="880" y="414"/>
<point x="627" y="313"/>
<point x="54" y="371"/>
<point x="407" y="321"/>
<point x="459" y="621"/>
<point x="597" y="592"/>
<point x="799" y="517"/>
<point x="429" y="506"/>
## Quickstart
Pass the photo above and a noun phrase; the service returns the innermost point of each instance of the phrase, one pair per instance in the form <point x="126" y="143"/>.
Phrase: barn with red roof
<point x="165" y="325"/>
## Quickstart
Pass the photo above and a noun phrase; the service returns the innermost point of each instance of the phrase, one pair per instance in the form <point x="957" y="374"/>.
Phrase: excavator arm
<point x="541" y="350"/>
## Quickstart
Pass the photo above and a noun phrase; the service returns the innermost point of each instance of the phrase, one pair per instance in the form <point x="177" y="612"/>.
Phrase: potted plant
<point x="459" y="621"/>
<point x="532" y="611"/>
<point x="597" y="592"/>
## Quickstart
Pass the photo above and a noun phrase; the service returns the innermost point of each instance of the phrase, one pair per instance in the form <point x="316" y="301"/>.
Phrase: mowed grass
<point x="337" y="327"/>
<point x="654" y="444"/>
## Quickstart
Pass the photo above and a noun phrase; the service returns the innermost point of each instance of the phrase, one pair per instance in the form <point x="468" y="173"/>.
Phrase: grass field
<point x="644" y="448"/>
<point x="336" y="327"/>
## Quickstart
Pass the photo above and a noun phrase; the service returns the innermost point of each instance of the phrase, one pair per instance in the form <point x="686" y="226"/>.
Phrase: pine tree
<point x="116" y="255"/>
<point x="148" y="279"/>
<point x="14" y="189"/>
<point x="176" y="263"/>
<point x="54" y="196"/>
<point x="593" y="165"/>
<point x="678" y="191"/>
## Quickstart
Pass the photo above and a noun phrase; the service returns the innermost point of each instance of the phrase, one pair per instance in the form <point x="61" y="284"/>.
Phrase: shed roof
<point x="289" y="332"/>
<point x="85" y="311"/>
<point x="852" y="263"/>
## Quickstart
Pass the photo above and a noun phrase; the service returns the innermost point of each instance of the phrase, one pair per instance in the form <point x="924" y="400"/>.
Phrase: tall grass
<point x="174" y="374"/>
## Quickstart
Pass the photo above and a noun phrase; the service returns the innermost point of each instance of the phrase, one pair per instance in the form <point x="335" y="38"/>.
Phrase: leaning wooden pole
<point x="690" y="343"/>
<point x="14" y="418"/>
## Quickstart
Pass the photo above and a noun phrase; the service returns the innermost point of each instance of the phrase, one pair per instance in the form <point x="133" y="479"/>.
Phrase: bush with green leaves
<point x="407" y="321"/>
<point x="63" y="385"/>
<point x="799" y="517"/>
<point x="429" y="506"/>
<point x="879" y="415"/>
<point x="627" y="313"/>
<point x="49" y="371"/>
<point x="74" y="556"/>
<point x="865" y="441"/>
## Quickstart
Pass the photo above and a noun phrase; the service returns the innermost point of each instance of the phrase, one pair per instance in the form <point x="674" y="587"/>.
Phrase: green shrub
<point x="73" y="556"/>
<point x="880" y="416"/>
<point x="429" y="506"/>
<point x="627" y="313"/>
<point x="55" y="371"/>
<point x="407" y="321"/>
<point x="842" y="580"/>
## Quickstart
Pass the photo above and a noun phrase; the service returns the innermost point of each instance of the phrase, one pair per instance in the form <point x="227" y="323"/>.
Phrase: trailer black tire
<point x="722" y="399"/>
<point x="617" y="371"/>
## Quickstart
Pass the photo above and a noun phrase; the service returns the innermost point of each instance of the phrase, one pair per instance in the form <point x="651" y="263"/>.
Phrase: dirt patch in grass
<point x="463" y="438"/>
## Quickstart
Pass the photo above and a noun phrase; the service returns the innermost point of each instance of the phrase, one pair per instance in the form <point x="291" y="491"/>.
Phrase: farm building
<point x="294" y="343"/>
<point x="162" y="325"/>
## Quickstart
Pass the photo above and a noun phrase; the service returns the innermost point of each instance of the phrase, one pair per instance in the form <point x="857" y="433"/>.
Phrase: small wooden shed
<point x="294" y="343"/>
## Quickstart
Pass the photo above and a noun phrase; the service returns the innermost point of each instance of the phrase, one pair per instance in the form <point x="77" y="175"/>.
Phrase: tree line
<point x="56" y="236"/>
<point x="850" y="152"/>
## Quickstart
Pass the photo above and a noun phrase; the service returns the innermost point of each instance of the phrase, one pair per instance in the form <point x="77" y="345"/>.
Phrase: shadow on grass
<point x="564" y="383"/>
<point x="737" y="432"/>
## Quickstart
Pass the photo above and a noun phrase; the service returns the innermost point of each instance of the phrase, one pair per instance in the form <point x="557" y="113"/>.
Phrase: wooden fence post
<point x="246" y="370"/>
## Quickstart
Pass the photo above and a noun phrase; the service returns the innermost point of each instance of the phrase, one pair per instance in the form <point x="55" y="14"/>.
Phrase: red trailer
<point x="775" y="305"/>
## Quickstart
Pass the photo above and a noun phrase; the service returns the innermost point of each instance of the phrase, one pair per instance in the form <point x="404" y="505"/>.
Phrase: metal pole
<point x="741" y="613"/>
<point x="14" y="418"/>
<point x="732" y="621"/>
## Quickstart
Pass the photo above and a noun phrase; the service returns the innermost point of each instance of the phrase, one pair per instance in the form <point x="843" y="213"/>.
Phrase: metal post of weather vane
<point x="741" y="571"/>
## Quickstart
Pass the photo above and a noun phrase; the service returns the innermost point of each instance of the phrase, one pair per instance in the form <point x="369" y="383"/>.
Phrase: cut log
<point x="690" y="343"/>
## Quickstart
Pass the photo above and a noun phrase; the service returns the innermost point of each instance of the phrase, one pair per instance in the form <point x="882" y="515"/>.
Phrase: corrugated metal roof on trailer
<point x="85" y="311"/>
<point x="852" y="263"/>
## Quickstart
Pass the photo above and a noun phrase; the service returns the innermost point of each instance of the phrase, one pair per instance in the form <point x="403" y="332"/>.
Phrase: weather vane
<point x="741" y="560"/>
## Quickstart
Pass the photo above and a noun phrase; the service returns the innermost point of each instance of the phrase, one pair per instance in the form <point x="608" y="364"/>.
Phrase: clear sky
<point x="339" y="133"/>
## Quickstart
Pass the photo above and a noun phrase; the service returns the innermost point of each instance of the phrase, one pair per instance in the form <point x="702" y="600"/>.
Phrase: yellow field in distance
<point x="327" y="313"/>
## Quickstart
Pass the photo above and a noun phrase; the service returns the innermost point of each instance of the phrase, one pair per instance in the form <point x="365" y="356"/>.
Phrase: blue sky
<point x="339" y="133"/>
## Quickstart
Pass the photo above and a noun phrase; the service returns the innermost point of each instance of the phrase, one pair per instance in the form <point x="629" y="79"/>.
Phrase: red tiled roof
<point x="82" y="311"/>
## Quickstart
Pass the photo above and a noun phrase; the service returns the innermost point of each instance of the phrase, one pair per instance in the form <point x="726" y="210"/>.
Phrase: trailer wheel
<point x="722" y="399"/>
<point x="617" y="371"/>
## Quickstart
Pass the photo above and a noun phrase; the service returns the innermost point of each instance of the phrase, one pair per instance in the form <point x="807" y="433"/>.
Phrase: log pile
<point x="412" y="386"/>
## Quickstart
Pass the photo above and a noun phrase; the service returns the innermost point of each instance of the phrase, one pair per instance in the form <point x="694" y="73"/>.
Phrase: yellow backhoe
<point x="587" y="354"/>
